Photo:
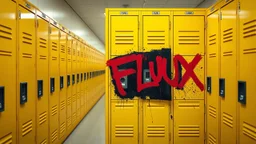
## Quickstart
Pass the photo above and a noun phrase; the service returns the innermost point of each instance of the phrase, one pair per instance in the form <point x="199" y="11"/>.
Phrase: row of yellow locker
<point x="49" y="78"/>
<point x="231" y="78"/>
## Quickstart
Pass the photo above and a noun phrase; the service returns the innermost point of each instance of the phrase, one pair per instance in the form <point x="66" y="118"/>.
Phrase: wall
<point x="60" y="11"/>
<point x="207" y="3"/>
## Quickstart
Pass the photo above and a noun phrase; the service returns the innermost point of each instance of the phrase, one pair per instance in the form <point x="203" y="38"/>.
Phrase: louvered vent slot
<point x="189" y="104"/>
<point x="42" y="118"/>
<point x="212" y="39"/>
<point x="63" y="59"/>
<point x="54" y="46"/>
<point x="212" y="111"/>
<point x="228" y="35"/>
<point x="5" y="53"/>
<point x="27" y="38"/>
<point x="54" y="58"/>
<point x="124" y="131"/>
<point x="27" y="128"/>
<point x="189" y="131"/>
<point x="119" y="105"/>
<point x="44" y="141"/>
<point x="7" y="139"/>
<point x="156" y="37"/>
<point x="158" y="105"/>
<point x="124" y="38"/>
<point x="63" y="128"/>
<point x="227" y="119"/>
<point x="156" y="131"/>
<point x="43" y="57"/>
<point x="69" y="51"/>
<point x="249" y="29"/>
<point x="249" y="130"/>
<point x="212" y="55"/>
<point x="249" y="51"/>
<point x="63" y="105"/>
<point x="5" y="32"/>
<point x="189" y="38"/>
<point x="69" y="121"/>
<point x="54" y="110"/>
<point x="63" y="49"/>
<point x="228" y="53"/>
<point x="54" y="135"/>
<point x="42" y="43"/>
<point x="212" y="139"/>
<point x="69" y="101"/>
<point x="26" y="55"/>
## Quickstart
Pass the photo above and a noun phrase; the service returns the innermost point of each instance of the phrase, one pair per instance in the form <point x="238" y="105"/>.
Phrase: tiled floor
<point x="91" y="130"/>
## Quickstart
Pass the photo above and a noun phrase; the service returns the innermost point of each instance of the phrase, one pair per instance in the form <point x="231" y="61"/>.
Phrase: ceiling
<point x="92" y="11"/>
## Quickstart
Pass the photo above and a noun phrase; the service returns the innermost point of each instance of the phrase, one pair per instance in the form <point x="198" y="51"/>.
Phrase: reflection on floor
<point x="91" y="130"/>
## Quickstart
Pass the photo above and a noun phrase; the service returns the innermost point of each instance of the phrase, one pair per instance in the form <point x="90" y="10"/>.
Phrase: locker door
<point x="82" y="79"/>
<point x="189" y="40"/>
<point x="26" y="77"/>
<point x="124" y="34"/>
<point x="69" y="82"/>
<point x="78" y="86"/>
<point x="212" y="88"/>
<point x="156" y="32"/>
<point x="42" y="80"/>
<point x="86" y="78"/>
<point x="73" y="77"/>
<point x="247" y="76"/>
<point x="54" y="84"/>
<point x="63" y="84"/>
<point x="8" y="72"/>
<point x="227" y="81"/>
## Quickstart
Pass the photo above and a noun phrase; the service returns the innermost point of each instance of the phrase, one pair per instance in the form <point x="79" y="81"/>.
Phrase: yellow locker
<point x="246" y="72"/>
<point x="191" y="90"/>
<point x="42" y="77"/>
<point x="82" y="78"/>
<point x="69" y="82"/>
<point x="26" y="75"/>
<point x="189" y="35"/>
<point x="54" y="73"/>
<point x="212" y="79"/>
<point x="8" y="72"/>
<point x="156" y="125"/>
<point x="78" y="86"/>
<point x="124" y="37"/>
<point x="156" y="30"/>
<point x="85" y="77"/>
<point x="189" y="122"/>
<point x="124" y="122"/>
<point x="74" y="69"/>
<point x="63" y="79"/>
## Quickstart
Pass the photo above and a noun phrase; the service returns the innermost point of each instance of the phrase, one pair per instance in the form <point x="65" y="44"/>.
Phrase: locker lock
<point x="68" y="80"/>
<point x="1" y="99"/>
<point x="209" y="84"/>
<point x="124" y="82"/>
<point x="23" y="93"/>
<point x="52" y="88"/>
<point x="61" y="82"/>
<point x="146" y="76"/>
<point x="222" y="87"/>
<point x="73" y="79"/>
<point x="242" y="92"/>
<point x="40" y="88"/>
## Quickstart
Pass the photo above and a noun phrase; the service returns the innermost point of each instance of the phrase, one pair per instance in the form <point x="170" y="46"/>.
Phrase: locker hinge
<point x="220" y="15"/>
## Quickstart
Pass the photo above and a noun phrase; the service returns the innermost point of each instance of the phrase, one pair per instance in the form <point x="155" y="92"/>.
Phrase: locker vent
<point x="212" y="55"/>
<point x="156" y="37"/>
<point x="156" y="131"/>
<point x="62" y="128"/>
<point x="249" y="130"/>
<point x="5" y="53"/>
<point x="62" y="50"/>
<point x="124" y="105"/>
<point x="54" y="46"/>
<point x="189" y="104"/>
<point x="249" y="29"/>
<point x="5" y="32"/>
<point x="212" y="111"/>
<point x="54" y="110"/>
<point x="54" y="135"/>
<point x="63" y="59"/>
<point x="69" y="60"/>
<point x="212" y="39"/>
<point x="189" y="131"/>
<point x="69" y="51"/>
<point x="189" y="37"/>
<point x="42" y="43"/>
<point x="54" y="58"/>
<point x="124" y="38"/>
<point x="69" y="121"/>
<point x="42" y="118"/>
<point x="228" y="53"/>
<point x="228" y="35"/>
<point x="249" y="51"/>
<point x="157" y="105"/>
<point x="74" y="117"/>
<point x="27" y="38"/>
<point x="69" y="101"/>
<point x="74" y="98"/>
<point x="227" y="119"/>
<point x="124" y="131"/>
<point x="212" y="139"/>
<point x="63" y="105"/>
<point x="27" y="128"/>
<point x="42" y="57"/>
<point x="44" y="141"/>
<point x="26" y="55"/>
<point x="7" y="139"/>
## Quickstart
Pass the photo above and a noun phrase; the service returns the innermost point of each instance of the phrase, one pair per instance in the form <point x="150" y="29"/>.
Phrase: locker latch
<point x="209" y="84"/>
<point x="23" y="93"/>
<point x="81" y="77"/>
<point x="68" y="80"/>
<point x="73" y="79"/>
<point x="124" y="82"/>
<point x="61" y="82"/>
<point x="77" y="78"/>
<point x="222" y="87"/>
<point x="1" y="99"/>
<point x="52" y="81"/>
<point x="242" y="92"/>
<point x="146" y="76"/>
<point x="40" y="88"/>
<point x="84" y="76"/>
<point x="88" y="75"/>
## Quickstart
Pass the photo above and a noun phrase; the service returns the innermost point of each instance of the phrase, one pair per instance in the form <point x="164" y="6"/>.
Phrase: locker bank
<point x="60" y="61"/>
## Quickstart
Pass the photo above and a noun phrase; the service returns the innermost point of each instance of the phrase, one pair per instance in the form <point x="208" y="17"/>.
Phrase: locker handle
<point x="209" y="84"/>
<point x="77" y="78"/>
<point x="23" y="93"/>
<point x="146" y="76"/>
<point x="52" y="81"/>
<point x="242" y="92"/>
<point x="68" y="81"/>
<point x="40" y="88"/>
<point x="81" y="77"/>
<point x="1" y="99"/>
<point x="73" y="79"/>
<point x="61" y="82"/>
<point x="180" y="74"/>
<point x="222" y="87"/>
<point x="84" y="76"/>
